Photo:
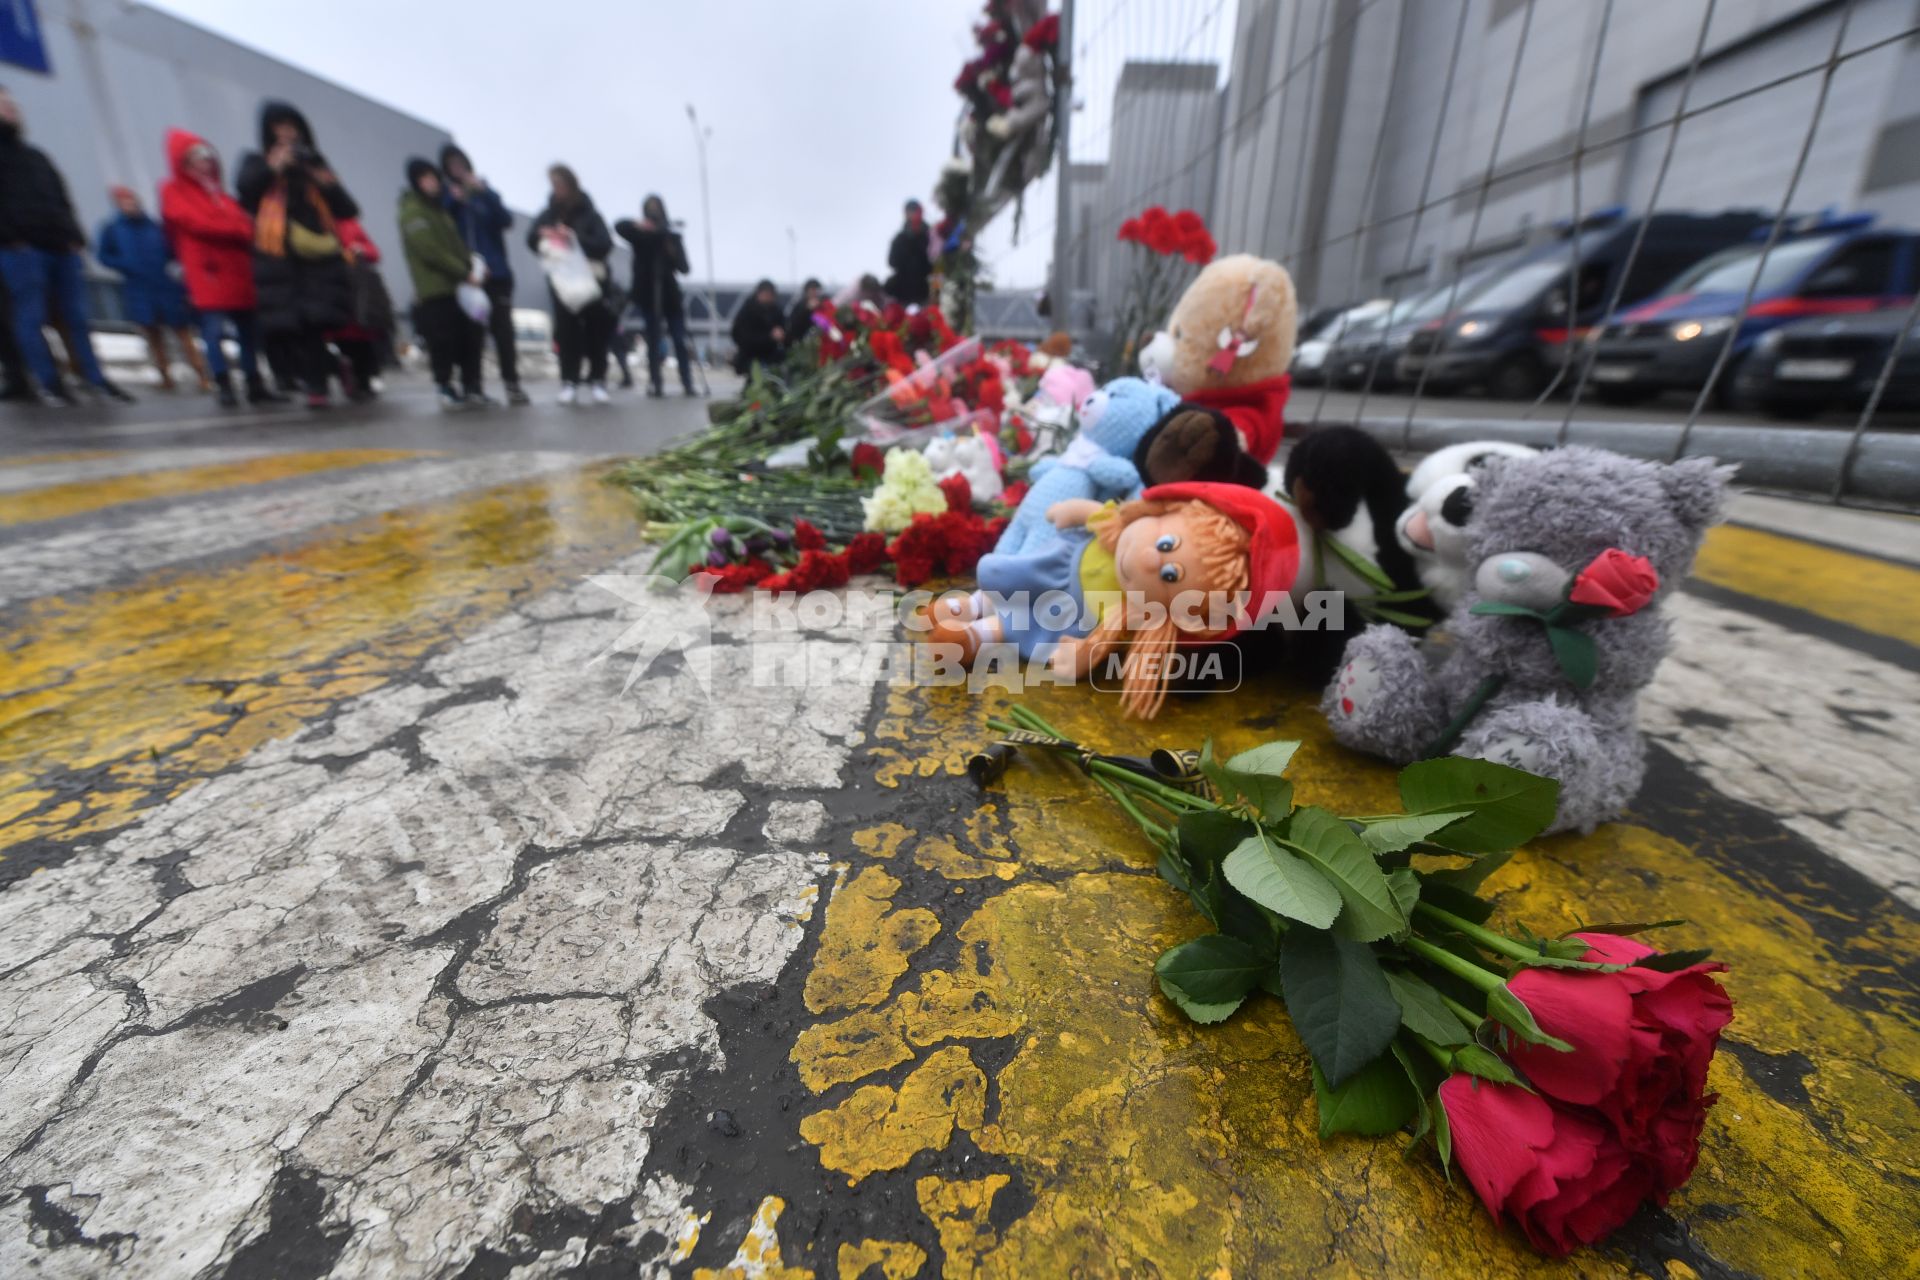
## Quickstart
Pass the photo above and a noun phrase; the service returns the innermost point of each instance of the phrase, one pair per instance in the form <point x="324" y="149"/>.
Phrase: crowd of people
<point x="281" y="267"/>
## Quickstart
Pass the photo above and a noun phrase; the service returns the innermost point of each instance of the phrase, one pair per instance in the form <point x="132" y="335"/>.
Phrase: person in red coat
<point x="212" y="237"/>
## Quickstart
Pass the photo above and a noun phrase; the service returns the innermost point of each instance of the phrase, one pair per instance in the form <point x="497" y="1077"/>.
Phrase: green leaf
<point x="1501" y="609"/>
<point x="1210" y="970"/>
<point x="1406" y="890"/>
<point x="1672" y="961"/>
<point x="1478" y="1060"/>
<point x="1338" y="999"/>
<point x="1205" y="1014"/>
<point x="1505" y="1008"/>
<point x="1173" y="869"/>
<point x="1255" y="776"/>
<point x="1506" y="807"/>
<point x="1390" y="835"/>
<point x="1281" y="882"/>
<point x="1443" y="1136"/>
<point x="1329" y="844"/>
<point x="1423" y="1012"/>
<point x="1579" y="657"/>
<point x="1369" y="572"/>
<point x="1206" y="837"/>
<point x="1377" y="1099"/>
<point x="1623" y="930"/>
<point x="1395" y="616"/>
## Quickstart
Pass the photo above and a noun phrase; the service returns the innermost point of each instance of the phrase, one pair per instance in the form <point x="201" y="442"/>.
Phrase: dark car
<point x="1370" y="353"/>
<point x="1516" y="334"/>
<point x="1806" y="368"/>
<point x="1832" y="267"/>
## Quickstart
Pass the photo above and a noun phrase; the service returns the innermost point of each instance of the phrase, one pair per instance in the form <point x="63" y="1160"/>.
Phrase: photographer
<point x="299" y="261"/>
<point x="659" y="259"/>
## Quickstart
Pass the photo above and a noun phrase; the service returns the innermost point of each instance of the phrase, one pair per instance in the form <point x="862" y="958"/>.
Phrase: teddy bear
<point x="1225" y="350"/>
<point x="1097" y="464"/>
<point x="971" y="454"/>
<point x="1572" y="553"/>
<point x="1432" y="528"/>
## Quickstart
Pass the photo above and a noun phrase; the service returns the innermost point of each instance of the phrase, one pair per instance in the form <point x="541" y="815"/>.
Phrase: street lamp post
<point x="793" y="259"/>
<point x="700" y="136"/>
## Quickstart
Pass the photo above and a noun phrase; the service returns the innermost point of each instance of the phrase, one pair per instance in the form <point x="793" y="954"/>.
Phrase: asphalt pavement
<point x="392" y="883"/>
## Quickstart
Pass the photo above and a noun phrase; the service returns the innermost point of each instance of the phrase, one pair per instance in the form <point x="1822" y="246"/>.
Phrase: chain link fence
<point x="1709" y="205"/>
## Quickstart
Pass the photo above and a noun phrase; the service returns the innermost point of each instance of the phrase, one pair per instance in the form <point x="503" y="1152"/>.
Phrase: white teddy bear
<point x="969" y="456"/>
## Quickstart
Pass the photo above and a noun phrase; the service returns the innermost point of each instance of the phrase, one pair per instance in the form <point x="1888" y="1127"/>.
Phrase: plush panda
<point x="1431" y="530"/>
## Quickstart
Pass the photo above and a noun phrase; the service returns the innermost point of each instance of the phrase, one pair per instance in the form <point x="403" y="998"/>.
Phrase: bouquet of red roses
<point x="1566" y="1075"/>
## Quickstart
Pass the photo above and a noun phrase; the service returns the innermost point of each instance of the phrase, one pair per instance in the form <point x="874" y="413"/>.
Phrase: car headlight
<point x="1474" y="330"/>
<point x="1712" y="326"/>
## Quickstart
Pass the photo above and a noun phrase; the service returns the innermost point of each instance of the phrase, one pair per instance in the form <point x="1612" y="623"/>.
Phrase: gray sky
<point x="826" y="114"/>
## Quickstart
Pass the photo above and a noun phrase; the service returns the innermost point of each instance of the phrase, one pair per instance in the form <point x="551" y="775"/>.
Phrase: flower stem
<point x="1465" y="970"/>
<point x="1162" y="794"/>
<point x="1153" y="829"/>
<point x="1494" y="942"/>
<point x="1460" y="1011"/>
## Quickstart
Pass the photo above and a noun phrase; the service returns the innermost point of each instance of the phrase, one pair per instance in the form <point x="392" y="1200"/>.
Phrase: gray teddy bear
<point x="1570" y="553"/>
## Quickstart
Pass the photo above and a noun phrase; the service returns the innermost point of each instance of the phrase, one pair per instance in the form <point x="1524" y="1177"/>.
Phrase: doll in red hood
<point x="1182" y="564"/>
<point x="1225" y="349"/>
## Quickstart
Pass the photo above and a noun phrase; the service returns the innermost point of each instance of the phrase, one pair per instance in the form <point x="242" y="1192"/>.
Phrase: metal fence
<point x="1393" y="149"/>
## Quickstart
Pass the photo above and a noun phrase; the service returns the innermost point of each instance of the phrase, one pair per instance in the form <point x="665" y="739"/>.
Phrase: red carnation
<point x="1043" y="34"/>
<point x="866" y="553"/>
<point x="1642" y="1041"/>
<point x="959" y="492"/>
<point x="732" y="578"/>
<point x="1617" y="582"/>
<point x="1163" y="236"/>
<point x="1012" y="495"/>
<point x="1132" y="231"/>
<point x="1558" y="1171"/>
<point x="808" y="538"/>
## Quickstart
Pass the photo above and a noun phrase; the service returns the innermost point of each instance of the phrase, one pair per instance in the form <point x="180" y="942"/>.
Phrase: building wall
<point x="124" y="74"/>
<point x="1339" y="124"/>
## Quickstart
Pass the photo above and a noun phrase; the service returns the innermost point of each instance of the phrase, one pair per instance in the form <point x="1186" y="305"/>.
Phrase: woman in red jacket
<point x="213" y="239"/>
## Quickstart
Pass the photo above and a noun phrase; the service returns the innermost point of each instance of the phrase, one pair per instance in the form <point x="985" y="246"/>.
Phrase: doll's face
<point x="1157" y="557"/>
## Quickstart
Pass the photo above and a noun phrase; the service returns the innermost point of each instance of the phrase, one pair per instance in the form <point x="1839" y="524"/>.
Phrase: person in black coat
<point x="40" y="244"/>
<point x="759" y="329"/>
<point x="800" y="319"/>
<point x="299" y="263"/>
<point x="659" y="257"/>
<point x="911" y="259"/>
<point x="582" y="335"/>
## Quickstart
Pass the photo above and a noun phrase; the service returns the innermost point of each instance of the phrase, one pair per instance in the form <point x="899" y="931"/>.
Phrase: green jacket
<point x="437" y="257"/>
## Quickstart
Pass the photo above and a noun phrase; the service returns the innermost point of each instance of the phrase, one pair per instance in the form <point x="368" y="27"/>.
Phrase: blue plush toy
<point x="1098" y="464"/>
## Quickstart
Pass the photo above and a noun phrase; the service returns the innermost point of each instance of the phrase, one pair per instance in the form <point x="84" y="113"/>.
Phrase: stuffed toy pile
<point x="1571" y="554"/>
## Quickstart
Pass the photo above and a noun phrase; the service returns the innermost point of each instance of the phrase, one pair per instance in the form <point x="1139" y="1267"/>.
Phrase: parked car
<point x="1828" y="267"/>
<point x="1518" y="332"/>
<point x="1375" y="353"/>
<point x="1311" y="347"/>
<point x="1806" y="368"/>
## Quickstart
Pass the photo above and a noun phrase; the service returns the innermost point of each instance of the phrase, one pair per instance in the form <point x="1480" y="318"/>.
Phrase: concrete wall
<point x="123" y="74"/>
<point x="1325" y="95"/>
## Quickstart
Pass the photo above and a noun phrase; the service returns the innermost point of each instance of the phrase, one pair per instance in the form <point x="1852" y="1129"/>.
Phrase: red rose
<point x="959" y="492"/>
<point x="1560" y="1173"/>
<point x="867" y="461"/>
<point x="1642" y="1041"/>
<point x="1011" y="496"/>
<point x="808" y="538"/>
<point x="1617" y="582"/>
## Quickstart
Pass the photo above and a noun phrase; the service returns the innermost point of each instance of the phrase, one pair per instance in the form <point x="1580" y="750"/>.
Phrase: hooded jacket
<point x="34" y="208"/>
<point x="212" y="235"/>
<point x="912" y="263"/>
<point x="753" y="326"/>
<point x="135" y="247"/>
<point x="437" y="257"/>
<point x="483" y="219"/>
<point x="659" y="257"/>
<point x="297" y="293"/>
<point x="588" y="227"/>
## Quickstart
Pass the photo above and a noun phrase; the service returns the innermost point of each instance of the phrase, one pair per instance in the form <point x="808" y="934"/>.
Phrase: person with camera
<point x="483" y="219"/>
<point x="300" y="263"/>
<point x="659" y="256"/>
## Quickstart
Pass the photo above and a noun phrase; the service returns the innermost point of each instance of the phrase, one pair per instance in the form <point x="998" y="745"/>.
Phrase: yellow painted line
<point x="37" y="459"/>
<point x="81" y="496"/>
<point x="1873" y="595"/>
<point x="143" y="689"/>
<point x="1148" y="1145"/>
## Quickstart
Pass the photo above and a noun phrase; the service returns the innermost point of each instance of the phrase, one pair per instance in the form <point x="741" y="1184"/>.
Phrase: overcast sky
<point x="825" y="114"/>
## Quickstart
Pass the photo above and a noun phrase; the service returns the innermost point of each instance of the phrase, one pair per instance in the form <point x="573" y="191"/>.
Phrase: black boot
<point x="224" y="387"/>
<point x="258" y="392"/>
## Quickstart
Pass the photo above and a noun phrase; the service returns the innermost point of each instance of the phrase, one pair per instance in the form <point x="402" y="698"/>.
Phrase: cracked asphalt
<point x="359" y="917"/>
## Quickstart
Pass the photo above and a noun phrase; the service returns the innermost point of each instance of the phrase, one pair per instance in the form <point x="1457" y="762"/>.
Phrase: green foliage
<point x="1377" y="1099"/>
<point x="1209" y="977"/>
<point x="1339" y="1000"/>
<point x="1504" y="807"/>
<point x="1282" y="882"/>
<point x="1371" y="909"/>
<point x="1423" y="1012"/>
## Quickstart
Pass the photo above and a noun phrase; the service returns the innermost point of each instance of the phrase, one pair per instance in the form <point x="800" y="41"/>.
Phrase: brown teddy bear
<point x="1225" y="349"/>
